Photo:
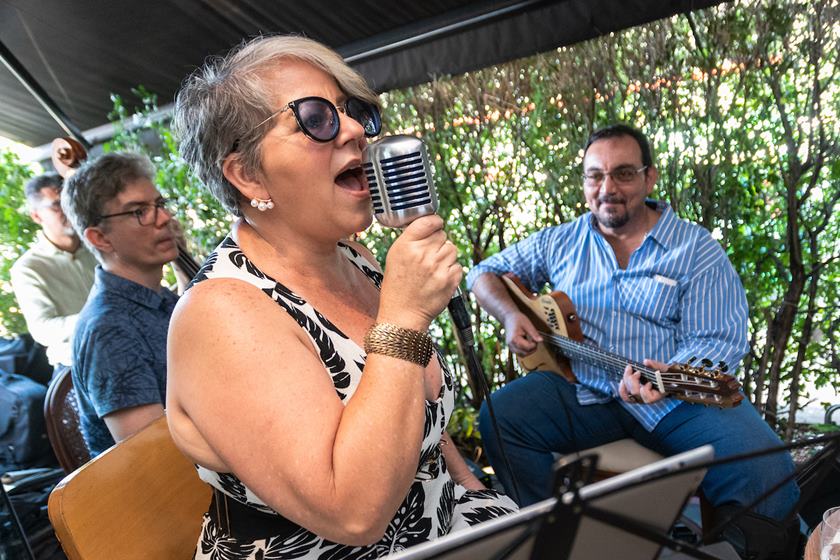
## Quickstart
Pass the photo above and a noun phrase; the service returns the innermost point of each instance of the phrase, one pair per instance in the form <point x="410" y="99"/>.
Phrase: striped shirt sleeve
<point x="713" y="310"/>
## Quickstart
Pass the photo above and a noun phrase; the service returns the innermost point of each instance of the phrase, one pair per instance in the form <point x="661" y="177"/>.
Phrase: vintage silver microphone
<point x="402" y="189"/>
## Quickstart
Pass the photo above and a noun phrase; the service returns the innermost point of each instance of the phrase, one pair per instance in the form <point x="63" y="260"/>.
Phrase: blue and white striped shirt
<point x="678" y="297"/>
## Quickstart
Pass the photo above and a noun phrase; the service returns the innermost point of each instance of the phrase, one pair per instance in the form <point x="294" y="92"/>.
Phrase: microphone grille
<point x="400" y="180"/>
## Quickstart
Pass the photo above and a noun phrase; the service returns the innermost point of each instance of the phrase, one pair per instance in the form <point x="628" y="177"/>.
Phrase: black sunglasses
<point x="318" y="117"/>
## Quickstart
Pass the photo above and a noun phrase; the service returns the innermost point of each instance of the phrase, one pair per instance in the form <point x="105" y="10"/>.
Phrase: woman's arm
<point x="458" y="468"/>
<point x="245" y="380"/>
<point x="258" y="395"/>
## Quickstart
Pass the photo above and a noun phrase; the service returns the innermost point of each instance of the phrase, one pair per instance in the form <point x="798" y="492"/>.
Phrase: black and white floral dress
<point x="434" y="506"/>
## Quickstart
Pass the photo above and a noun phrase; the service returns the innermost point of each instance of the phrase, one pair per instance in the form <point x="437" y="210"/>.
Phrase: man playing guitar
<point x="658" y="290"/>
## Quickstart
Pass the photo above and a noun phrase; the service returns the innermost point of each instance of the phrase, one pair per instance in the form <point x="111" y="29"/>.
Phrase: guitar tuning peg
<point x="722" y="366"/>
<point x="691" y="359"/>
<point x="706" y="362"/>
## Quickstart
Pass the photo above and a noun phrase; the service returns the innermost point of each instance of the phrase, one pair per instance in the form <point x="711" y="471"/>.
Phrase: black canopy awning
<point x="81" y="51"/>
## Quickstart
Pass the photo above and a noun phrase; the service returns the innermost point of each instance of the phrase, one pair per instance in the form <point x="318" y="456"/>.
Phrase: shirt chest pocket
<point x="652" y="298"/>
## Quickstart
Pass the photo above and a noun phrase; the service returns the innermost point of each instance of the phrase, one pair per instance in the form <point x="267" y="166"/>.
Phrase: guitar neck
<point x="683" y="381"/>
<point x="612" y="363"/>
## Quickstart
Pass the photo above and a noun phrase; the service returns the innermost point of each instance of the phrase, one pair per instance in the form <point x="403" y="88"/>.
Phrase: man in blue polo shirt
<point x="119" y="347"/>
<point x="650" y="287"/>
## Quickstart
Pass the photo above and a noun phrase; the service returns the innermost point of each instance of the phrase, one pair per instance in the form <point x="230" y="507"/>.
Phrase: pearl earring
<point x="262" y="205"/>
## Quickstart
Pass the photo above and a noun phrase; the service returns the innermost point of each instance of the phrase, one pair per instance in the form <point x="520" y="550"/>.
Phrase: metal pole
<point x="449" y="29"/>
<point x="25" y="78"/>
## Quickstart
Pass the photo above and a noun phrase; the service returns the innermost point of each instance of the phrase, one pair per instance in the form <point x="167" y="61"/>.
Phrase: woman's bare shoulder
<point x="230" y="308"/>
<point x="223" y="294"/>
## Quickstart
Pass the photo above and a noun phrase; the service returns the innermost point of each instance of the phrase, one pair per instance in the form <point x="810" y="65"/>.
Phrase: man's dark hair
<point x="35" y="185"/>
<point x="616" y="130"/>
<point x="98" y="181"/>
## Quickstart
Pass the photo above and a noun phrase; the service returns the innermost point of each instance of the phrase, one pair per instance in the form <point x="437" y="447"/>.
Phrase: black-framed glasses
<point x="318" y="117"/>
<point x="146" y="214"/>
<point x="623" y="174"/>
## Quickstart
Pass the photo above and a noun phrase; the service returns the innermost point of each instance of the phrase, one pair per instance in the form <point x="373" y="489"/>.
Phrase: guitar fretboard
<point x="613" y="364"/>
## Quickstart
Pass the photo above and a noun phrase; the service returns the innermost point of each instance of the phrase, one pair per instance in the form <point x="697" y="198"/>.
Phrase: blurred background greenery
<point x="741" y="103"/>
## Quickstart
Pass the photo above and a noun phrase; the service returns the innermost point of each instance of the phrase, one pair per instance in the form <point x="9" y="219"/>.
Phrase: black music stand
<point x="585" y="522"/>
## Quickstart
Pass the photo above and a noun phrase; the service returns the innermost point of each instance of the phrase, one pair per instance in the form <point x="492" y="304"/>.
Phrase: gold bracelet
<point x="397" y="342"/>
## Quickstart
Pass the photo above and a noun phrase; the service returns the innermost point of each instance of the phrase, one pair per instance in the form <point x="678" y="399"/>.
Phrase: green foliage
<point x="741" y="104"/>
<point x="463" y="425"/>
<point x="17" y="231"/>
<point x="825" y="428"/>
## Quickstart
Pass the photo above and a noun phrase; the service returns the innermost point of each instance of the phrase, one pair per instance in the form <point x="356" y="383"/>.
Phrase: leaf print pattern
<point x="447" y="376"/>
<point x="445" y="507"/>
<point x="326" y="323"/>
<point x="361" y="263"/>
<point x="335" y="364"/>
<point x="288" y="294"/>
<point x="353" y="252"/>
<point x="202" y="272"/>
<point x="335" y="551"/>
<point x="298" y="545"/>
<point x="429" y="465"/>
<point x="428" y="422"/>
<point x="232" y="486"/>
<point x="214" y="545"/>
<point x="481" y="514"/>
<point x="409" y="526"/>
<point x="471" y="495"/>
<point x="374" y="275"/>
<point x="239" y="260"/>
<point x="434" y="503"/>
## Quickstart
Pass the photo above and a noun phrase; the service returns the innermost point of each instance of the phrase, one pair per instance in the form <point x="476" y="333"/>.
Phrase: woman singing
<point x="302" y="381"/>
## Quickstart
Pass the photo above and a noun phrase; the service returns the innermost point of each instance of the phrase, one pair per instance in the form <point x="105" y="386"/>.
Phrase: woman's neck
<point x="294" y="258"/>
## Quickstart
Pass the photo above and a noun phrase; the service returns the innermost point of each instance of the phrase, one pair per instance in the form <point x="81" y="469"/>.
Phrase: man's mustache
<point x="611" y="199"/>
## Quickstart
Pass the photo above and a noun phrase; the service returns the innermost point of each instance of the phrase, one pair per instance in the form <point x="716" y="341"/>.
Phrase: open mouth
<point x="352" y="179"/>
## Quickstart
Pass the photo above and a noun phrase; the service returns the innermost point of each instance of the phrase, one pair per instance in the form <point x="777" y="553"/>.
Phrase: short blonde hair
<point x="220" y="106"/>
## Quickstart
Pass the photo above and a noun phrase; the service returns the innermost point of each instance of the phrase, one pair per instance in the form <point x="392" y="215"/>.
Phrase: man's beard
<point x="615" y="220"/>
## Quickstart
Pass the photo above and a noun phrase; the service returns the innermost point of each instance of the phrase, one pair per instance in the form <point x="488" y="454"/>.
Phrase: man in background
<point x="52" y="279"/>
<point x="650" y="287"/>
<point x="119" y="347"/>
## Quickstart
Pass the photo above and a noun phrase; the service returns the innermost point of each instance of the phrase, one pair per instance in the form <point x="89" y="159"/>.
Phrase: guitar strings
<point x="597" y="355"/>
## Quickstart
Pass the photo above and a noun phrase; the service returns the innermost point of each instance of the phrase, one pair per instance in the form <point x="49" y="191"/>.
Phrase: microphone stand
<point x="464" y="334"/>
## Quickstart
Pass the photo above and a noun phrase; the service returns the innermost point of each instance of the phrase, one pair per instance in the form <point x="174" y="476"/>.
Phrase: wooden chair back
<point x="139" y="499"/>
<point x="61" y="412"/>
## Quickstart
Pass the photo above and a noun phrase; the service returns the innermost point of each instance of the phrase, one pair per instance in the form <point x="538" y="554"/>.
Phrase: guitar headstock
<point x="703" y="385"/>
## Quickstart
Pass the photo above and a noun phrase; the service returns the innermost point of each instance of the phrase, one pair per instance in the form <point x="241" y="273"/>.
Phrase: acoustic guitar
<point x="68" y="155"/>
<point x="556" y="320"/>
